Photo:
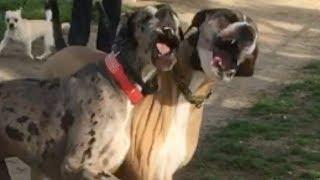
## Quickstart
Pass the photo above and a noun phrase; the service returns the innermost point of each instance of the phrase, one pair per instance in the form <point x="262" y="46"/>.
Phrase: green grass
<point x="278" y="139"/>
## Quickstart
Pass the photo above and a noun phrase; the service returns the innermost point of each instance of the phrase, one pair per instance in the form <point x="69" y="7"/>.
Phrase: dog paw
<point x="40" y="58"/>
<point x="31" y="56"/>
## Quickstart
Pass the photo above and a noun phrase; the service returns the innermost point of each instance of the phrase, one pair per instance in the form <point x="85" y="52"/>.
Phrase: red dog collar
<point x="117" y="71"/>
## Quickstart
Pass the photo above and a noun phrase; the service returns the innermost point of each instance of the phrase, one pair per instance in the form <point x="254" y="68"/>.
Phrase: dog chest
<point x="174" y="152"/>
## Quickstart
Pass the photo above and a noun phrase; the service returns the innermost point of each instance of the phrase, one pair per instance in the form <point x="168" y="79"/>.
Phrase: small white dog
<point x="26" y="31"/>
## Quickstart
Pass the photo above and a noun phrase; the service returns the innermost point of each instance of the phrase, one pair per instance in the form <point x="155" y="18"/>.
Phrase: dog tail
<point x="57" y="31"/>
<point x="65" y="27"/>
<point x="47" y="11"/>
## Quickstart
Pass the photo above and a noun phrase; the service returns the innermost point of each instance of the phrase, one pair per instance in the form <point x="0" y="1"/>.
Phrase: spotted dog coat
<point x="79" y="125"/>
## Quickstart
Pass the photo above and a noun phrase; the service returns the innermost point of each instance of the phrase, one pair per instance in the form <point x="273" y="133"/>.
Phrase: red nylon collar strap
<point x="117" y="71"/>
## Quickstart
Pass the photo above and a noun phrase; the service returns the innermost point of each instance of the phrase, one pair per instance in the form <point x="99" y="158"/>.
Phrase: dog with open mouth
<point x="219" y="44"/>
<point x="78" y="126"/>
<point x="161" y="50"/>
<point x="228" y="38"/>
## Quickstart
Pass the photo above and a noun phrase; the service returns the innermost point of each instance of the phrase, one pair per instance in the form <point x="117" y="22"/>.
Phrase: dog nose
<point x="168" y="31"/>
<point x="11" y="26"/>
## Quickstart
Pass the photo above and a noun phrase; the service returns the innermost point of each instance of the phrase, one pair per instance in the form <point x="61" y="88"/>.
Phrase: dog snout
<point x="11" y="26"/>
<point x="168" y="31"/>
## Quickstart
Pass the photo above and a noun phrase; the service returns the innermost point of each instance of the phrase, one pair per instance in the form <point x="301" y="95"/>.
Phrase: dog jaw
<point x="167" y="38"/>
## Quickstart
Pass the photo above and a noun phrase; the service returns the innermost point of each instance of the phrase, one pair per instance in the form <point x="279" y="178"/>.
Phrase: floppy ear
<point x="192" y="36"/>
<point x="199" y="18"/>
<point x="246" y="68"/>
<point x="126" y="25"/>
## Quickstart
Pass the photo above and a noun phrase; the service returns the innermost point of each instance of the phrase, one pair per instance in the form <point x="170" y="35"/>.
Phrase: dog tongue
<point x="163" y="48"/>
<point x="217" y="61"/>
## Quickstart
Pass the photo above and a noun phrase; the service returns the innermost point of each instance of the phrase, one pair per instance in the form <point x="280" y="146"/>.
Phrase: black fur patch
<point x="14" y="134"/>
<point x="45" y="153"/>
<point x="53" y="85"/>
<point x="33" y="129"/>
<point x="45" y="114"/>
<point x="9" y="109"/>
<point x="87" y="154"/>
<point x="91" y="141"/>
<point x="92" y="132"/>
<point x="93" y="115"/>
<point x="67" y="121"/>
<point x="22" y="119"/>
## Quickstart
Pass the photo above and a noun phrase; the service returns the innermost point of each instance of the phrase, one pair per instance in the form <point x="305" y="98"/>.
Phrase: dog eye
<point x="147" y="18"/>
<point x="7" y="19"/>
<point x="15" y="20"/>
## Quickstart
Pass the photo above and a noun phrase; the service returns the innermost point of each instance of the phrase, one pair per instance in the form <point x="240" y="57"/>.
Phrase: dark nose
<point x="168" y="31"/>
<point x="11" y="26"/>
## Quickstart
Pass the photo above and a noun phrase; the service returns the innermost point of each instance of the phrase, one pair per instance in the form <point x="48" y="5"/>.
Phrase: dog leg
<point x="44" y="55"/>
<point x="3" y="43"/>
<point x="29" y="49"/>
<point x="48" y="43"/>
<point x="4" y="172"/>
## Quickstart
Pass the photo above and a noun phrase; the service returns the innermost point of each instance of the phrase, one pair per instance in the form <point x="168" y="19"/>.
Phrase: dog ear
<point x="246" y="68"/>
<point x="192" y="36"/>
<point x="244" y="33"/>
<point x="152" y="9"/>
<point x="19" y="11"/>
<point x="199" y="18"/>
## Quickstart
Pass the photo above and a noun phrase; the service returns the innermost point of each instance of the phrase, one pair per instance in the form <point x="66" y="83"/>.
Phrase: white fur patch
<point x="205" y="60"/>
<point x="173" y="153"/>
<point x="151" y="9"/>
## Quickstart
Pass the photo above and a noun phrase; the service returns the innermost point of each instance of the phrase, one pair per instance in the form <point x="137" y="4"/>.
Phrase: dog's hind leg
<point x="44" y="55"/>
<point x="48" y="43"/>
<point x="3" y="43"/>
<point x="4" y="172"/>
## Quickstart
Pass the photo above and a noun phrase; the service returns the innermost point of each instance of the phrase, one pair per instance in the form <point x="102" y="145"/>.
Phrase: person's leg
<point x="80" y="22"/>
<point x="54" y="15"/>
<point x="106" y="35"/>
<point x="4" y="172"/>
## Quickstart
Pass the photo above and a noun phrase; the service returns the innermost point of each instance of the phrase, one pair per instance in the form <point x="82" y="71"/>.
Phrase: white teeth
<point x="233" y="41"/>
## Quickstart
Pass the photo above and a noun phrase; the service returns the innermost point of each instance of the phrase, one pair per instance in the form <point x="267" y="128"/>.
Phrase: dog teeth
<point x="233" y="41"/>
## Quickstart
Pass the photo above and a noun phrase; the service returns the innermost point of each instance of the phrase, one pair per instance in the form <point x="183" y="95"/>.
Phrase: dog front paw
<point x="31" y="56"/>
<point x="39" y="57"/>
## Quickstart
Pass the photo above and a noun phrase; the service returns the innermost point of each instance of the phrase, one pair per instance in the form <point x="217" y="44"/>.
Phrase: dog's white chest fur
<point x="173" y="153"/>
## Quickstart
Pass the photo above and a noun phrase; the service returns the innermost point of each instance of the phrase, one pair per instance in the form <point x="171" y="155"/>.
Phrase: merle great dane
<point x="77" y="127"/>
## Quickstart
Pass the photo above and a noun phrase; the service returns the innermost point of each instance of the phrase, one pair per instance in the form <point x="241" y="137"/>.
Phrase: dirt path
<point x="289" y="39"/>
